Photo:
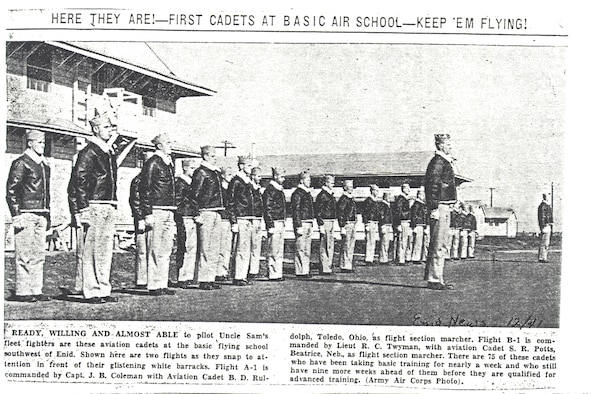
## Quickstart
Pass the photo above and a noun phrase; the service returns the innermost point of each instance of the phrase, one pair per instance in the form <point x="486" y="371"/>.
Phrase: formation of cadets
<point x="216" y="217"/>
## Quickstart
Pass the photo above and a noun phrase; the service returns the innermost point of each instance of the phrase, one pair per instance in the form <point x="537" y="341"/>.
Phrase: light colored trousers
<point x="386" y="236"/>
<point x="79" y="248"/>
<point x="160" y="242"/>
<point x="30" y="254"/>
<point x="275" y="250"/>
<point x="243" y="248"/>
<point x="439" y="245"/>
<point x="302" y="254"/>
<point x="454" y="248"/>
<point x="140" y="257"/>
<point x="225" y="248"/>
<point x="189" y="260"/>
<point x="347" y="248"/>
<point x="463" y="243"/>
<point x="209" y="245"/>
<point x="403" y="244"/>
<point x="418" y="238"/>
<point x="255" y="246"/>
<point x="326" y="245"/>
<point x="98" y="250"/>
<point x="372" y="234"/>
<point x="544" y="244"/>
<point x="471" y="243"/>
<point x="425" y="244"/>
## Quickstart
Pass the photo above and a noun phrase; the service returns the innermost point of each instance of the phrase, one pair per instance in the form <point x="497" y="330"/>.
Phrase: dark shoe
<point x="168" y="292"/>
<point x="205" y="286"/>
<point x="440" y="286"/>
<point x="241" y="282"/>
<point x="277" y="279"/>
<point x="252" y="276"/>
<point x="215" y="286"/>
<point x="417" y="262"/>
<point x="221" y="278"/>
<point x="326" y="273"/>
<point x="141" y="287"/>
<point x="42" y="297"/>
<point x="68" y="292"/>
<point x="95" y="300"/>
<point x="347" y="271"/>
<point x="110" y="299"/>
<point x="22" y="298"/>
<point x="185" y="284"/>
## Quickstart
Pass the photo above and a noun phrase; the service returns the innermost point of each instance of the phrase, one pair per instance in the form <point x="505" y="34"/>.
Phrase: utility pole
<point x="491" y="196"/>
<point x="226" y="145"/>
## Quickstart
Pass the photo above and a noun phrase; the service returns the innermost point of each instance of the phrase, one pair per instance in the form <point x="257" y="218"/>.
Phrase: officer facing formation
<point x="441" y="195"/>
<point x="28" y="198"/>
<point x="325" y="213"/>
<point x="302" y="218"/>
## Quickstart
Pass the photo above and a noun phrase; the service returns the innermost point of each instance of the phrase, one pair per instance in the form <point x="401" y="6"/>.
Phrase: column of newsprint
<point x="267" y="355"/>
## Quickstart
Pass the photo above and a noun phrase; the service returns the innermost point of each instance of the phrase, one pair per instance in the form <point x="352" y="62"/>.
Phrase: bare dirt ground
<point x="503" y="286"/>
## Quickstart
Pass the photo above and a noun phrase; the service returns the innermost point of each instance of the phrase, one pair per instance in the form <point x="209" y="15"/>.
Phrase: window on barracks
<point x="39" y="70"/>
<point x="149" y="106"/>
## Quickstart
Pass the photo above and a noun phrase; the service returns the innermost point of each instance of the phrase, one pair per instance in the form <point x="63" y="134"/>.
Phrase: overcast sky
<point x="503" y="106"/>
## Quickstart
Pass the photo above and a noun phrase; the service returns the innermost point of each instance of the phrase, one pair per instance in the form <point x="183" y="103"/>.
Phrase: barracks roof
<point x="498" y="213"/>
<point x="135" y="56"/>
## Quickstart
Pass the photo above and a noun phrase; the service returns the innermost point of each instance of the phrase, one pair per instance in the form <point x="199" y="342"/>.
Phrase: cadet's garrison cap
<point x="160" y="139"/>
<point x="440" y="138"/>
<point x="277" y="171"/>
<point x="328" y="177"/>
<point x="207" y="149"/>
<point x="374" y="187"/>
<point x="103" y="117"/>
<point x="189" y="162"/>
<point x="34" y="135"/>
<point x="349" y="182"/>
<point x="243" y="159"/>
<point x="303" y="174"/>
<point x="255" y="170"/>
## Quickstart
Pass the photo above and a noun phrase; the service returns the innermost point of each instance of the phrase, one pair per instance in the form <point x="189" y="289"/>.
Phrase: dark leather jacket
<point x="139" y="211"/>
<point x="470" y="222"/>
<point x="545" y="215"/>
<point x="157" y="184"/>
<point x="370" y="211"/>
<point x="418" y="214"/>
<point x="258" y="201"/>
<point x="325" y="207"/>
<point x="183" y="198"/>
<point x="346" y="210"/>
<point x="457" y="220"/>
<point x="302" y="207"/>
<point x="401" y="210"/>
<point x="28" y="186"/>
<point x="274" y="204"/>
<point x="241" y="202"/>
<point x="386" y="213"/>
<point x="439" y="183"/>
<point x="207" y="192"/>
<point x="95" y="175"/>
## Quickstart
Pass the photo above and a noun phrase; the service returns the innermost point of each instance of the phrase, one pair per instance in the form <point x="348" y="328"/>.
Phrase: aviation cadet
<point x="385" y="225"/>
<point x="371" y="215"/>
<point x="302" y="218"/>
<point x="325" y="214"/>
<point x="186" y="228"/>
<point x="274" y="213"/>
<point x="346" y="219"/>
<point x="28" y="198"/>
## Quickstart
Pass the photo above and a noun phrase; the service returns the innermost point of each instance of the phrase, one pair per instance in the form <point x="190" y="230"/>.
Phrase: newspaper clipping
<point x="259" y="198"/>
